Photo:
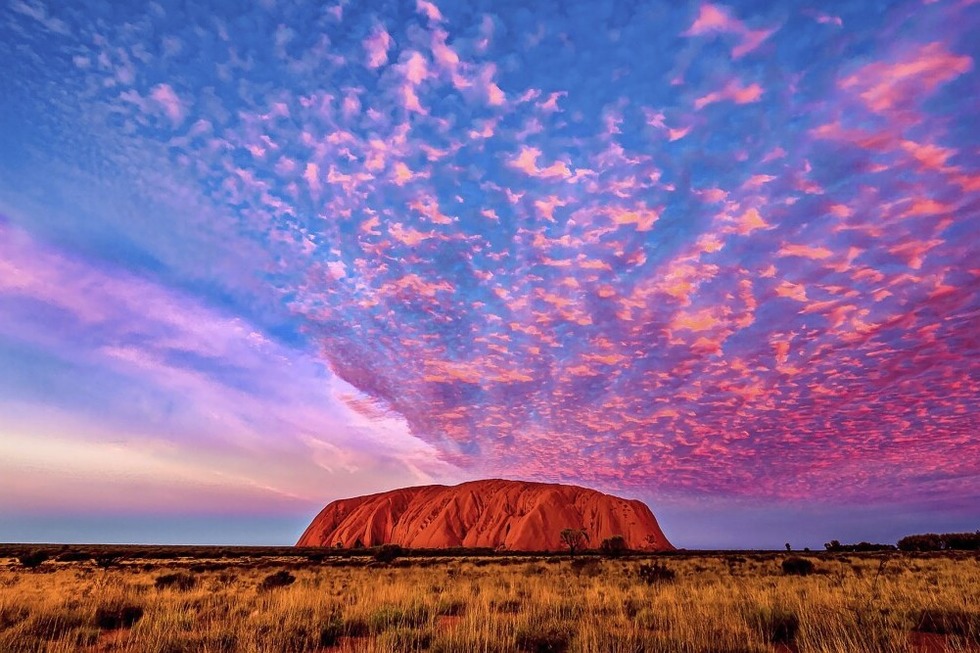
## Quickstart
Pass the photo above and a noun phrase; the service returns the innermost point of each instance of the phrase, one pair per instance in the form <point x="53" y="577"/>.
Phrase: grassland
<point x="195" y="601"/>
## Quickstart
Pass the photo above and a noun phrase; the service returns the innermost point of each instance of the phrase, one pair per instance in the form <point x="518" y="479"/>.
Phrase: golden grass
<point x="716" y="604"/>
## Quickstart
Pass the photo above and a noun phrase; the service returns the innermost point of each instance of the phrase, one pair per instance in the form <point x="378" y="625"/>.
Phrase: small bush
<point x="281" y="578"/>
<point x="451" y="608"/>
<point x="107" y="560"/>
<point x="949" y="622"/>
<point x="396" y="616"/>
<point x="52" y="626"/>
<point x="613" y="546"/>
<point x="357" y="628"/>
<point x="331" y="632"/>
<point x="797" y="567"/>
<point x="589" y="567"/>
<point x="32" y="559"/>
<point x="74" y="556"/>
<point x="507" y="606"/>
<point x="777" y="625"/>
<point x="655" y="572"/>
<point x="544" y="638"/>
<point x="117" y="616"/>
<point x="388" y="553"/>
<point x="405" y="639"/>
<point x="11" y="615"/>
<point x="178" y="581"/>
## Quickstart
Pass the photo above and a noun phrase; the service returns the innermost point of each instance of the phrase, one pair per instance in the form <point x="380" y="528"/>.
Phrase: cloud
<point x="452" y="243"/>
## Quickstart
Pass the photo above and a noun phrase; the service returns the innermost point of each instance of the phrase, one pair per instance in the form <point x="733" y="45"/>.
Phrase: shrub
<point x="281" y="578"/>
<point x="388" y="553"/>
<point x="589" y="567"/>
<point x="949" y="622"/>
<point x="117" y="616"/>
<point x="32" y="559"/>
<point x="405" y="639"/>
<point x="613" y="546"/>
<point x="331" y="632"/>
<point x="107" y="560"/>
<point x="74" y="556"/>
<point x="544" y="638"/>
<point x="390" y="616"/>
<point x="11" y="615"/>
<point x="797" y="567"/>
<point x="454" y="608"/>
<point x="507" y="606"/>
<point x="777" y="625"/>
<point x="655" y="572"/>
<point x="53" y="625"/>
<point x="179" y="581"/>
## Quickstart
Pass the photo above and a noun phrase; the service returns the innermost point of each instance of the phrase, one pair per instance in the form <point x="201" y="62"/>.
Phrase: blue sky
<point x="719" y="257"/>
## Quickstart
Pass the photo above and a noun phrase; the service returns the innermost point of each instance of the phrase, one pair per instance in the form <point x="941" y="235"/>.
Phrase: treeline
<point x="941" y="542"/>
<point x="860" y="547"/>
<point x="922" y="542"/>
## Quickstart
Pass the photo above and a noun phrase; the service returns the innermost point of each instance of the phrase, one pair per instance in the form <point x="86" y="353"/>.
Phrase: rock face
<point x="509" y="515"/>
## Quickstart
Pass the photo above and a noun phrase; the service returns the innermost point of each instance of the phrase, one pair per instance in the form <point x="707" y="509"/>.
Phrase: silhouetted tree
<point x="574" y="539"/>
<point x="613" y="546"/>
<point x="788" y="547"/>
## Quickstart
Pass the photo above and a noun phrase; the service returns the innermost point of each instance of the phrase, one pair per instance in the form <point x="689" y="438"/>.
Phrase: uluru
<point x="497" y="514"/>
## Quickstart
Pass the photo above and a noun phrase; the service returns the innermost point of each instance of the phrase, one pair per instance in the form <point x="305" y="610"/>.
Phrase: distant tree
<point x="962" y="541"/>
<point x="924" y="542"/>
<point x="574" y="539"/>
<point x="833" y="545"/>
<point x="788" y="547"/>
<point x="613" y="546"/>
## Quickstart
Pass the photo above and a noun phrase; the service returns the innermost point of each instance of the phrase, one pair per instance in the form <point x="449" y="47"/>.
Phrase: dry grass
<point x="714" y="604"/>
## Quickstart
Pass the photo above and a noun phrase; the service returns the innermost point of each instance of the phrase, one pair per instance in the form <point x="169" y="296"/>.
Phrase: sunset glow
<point x="723" y="258"/>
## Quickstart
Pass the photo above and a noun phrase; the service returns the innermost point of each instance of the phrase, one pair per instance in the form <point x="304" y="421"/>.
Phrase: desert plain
<point x="98" y="599"/>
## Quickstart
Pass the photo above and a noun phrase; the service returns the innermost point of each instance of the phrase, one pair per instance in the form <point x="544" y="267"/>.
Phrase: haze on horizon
<point x="724" y="258"/>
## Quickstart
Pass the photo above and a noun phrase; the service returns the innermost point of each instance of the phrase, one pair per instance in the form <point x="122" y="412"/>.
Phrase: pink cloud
<point x="167" y="99"/>
<point x="376" y="47"/>
<point x="885" y="86"/>
<point x="717" y="19"/>
<point x="733" y="91"/>
<point x="429" y="10"/>
<point x="527" y="162"/>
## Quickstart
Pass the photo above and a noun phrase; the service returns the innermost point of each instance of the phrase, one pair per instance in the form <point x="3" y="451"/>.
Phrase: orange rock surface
<point x="498" y="514"/>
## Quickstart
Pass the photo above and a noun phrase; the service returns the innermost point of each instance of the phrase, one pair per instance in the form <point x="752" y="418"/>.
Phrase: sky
<point x="723" y="258"/>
